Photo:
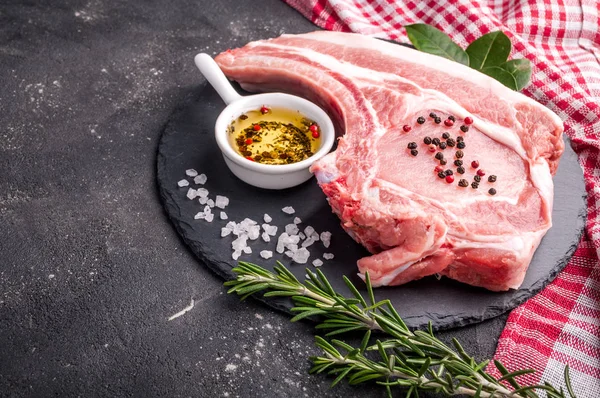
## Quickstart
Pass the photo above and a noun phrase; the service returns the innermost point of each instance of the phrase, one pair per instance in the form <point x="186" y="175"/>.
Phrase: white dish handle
<point x="215" y="76"/>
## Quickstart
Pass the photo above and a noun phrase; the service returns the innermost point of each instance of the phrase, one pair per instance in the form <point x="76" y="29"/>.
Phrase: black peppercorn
<point x="459" y="138"/>
<point x="412" y="145"/>
<point x="439" y="156"/>
<point x="441" y="174"/>
<point x="437" y="120"/>
<point x="445" y="136"/>
<point x="427" y="141"/>
<point x="420" y="120"/>
<point x="442" y="145"/>
<point x="464" y="128"/>
<point x="449" y="172"/>
<point x="435" y="141"/>
<point x="474" y="185"/>
<point x="443" y="162"/>
<point x="459" y="154"/>
<point x="414" y="152"/>
<point x="458" y="163"/>
<point x="461" y="145"/>
<point x="492" y="178"/>
<point x="432" y="115"/>
<point x="450" y="142"/>
<point x="477" y="178"/>
<point x="492" y="191"/>
<point x="452" y="118"/>
<point x="463" y="183"/>
<point x="460" y="170"/>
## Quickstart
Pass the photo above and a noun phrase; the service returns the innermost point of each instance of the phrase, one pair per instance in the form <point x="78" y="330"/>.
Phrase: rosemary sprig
<point x="415" y="361"/>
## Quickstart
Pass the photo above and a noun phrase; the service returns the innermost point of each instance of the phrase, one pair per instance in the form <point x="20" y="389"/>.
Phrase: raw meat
<point x="415" y="223"/>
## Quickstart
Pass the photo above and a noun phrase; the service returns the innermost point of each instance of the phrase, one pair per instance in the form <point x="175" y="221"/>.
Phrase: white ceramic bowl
<point x="254" y="173"/>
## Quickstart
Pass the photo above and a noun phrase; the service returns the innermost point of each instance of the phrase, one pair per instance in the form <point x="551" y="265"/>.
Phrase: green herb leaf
<point x="431" y="40"/>
<point x="489" y="50"/>
<point x="514" y="74"/>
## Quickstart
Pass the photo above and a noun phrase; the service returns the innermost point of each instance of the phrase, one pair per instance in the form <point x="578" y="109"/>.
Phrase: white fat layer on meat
<point x="404" y="54"/>
<point x="542" y="180"/>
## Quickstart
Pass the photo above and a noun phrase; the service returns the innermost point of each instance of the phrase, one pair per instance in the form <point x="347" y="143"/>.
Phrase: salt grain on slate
<point x="183" y="183"/>
<point x="202" y="192"/>
<point x="247" y="250"/>
<point x="302" y="236"/>
<point x="317" y="262"/>
<point x="326" y="238"/>
<point x="210" y="202"/>
<point x="191" y="194"/>
<point x="288" y="210"/>
<point x="201" y="179"/>
<point x="203" y="200"/>
<point x="221" y="201"/>
<point x="266" y="254"/>
<point x="308" y="242"/>
<point x="291" y="229"/>
<point x="297" y="220"/>
<point x="267" y="218"/>
<point x="225" y="232"/>
<point x="210" y="217"/>
<point x="266" y="237"/>
<point x="301" y="256"/>
<point x="223" y="215"/>
<point x="328" y="256"/>
<point x="270" y="229"/>
<point x="191" y="173"/>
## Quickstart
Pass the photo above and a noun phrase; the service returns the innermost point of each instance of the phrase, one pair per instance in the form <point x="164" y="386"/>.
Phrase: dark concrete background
<point x="90" y="268"/>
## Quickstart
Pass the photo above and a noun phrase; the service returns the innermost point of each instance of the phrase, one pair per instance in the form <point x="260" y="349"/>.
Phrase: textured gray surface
<point x="188" y="142"/>
<point x="90" y="266"/>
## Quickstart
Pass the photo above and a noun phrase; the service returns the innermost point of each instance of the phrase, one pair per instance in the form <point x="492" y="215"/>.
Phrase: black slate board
<point x="188" y="142"/>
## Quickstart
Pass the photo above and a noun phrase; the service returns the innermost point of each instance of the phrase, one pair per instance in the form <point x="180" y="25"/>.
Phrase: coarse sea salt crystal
<point x="221" y="201"/>
<point x="270" y="229"/>
<point x="191" y="173"/>
<point x="265" y="236"/>
<point x="328" y="256"/>
<point x="254" y="232"/>
<point x="225" y="232"/>
<point x="210" y="202"/>
<point x="210" y="217"/>
<point x="308" y="242"/>
<point x="301" y="256"/>
<point x="289" y="253"/>
<point x="202" y="192"/>
<point x="267" y="218"/>
<point x="288" y="210"/>
<point x="236" y="254"/>
<point x="223" y="215"/>
<point x="326" y="238"/>
<point x="310" y="232"/>
<point x="183" y="183"/>
<point x="199" y="215"/>
<point x="302" y="236"/>
<point x="266" y="254"/>
<point x="203" y="201"/>
<point x="247" y="250"/>
<point x="317" y="262"/>
<point x="239" y="243"/>
<point x="297" y="220"/>
<point x="201" y="179"/>
<point x="191" y="193"/>
<point x="291" y="229"/>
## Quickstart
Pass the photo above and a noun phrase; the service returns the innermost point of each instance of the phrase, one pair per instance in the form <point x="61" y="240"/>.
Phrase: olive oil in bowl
<point x="274" y="136"/>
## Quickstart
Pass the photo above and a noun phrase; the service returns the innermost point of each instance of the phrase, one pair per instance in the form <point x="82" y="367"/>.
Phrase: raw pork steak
<point x="413" y="221"/>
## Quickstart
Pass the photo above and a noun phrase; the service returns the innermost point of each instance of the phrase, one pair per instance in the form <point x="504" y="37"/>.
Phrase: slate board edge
<point x="283" y="305"/>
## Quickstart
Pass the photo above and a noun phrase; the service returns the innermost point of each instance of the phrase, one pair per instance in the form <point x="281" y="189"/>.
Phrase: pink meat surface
<point x="414" y="223"/>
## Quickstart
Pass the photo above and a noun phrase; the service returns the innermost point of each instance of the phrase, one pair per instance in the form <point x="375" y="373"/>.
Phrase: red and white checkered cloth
<point x="561" y="325"/>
